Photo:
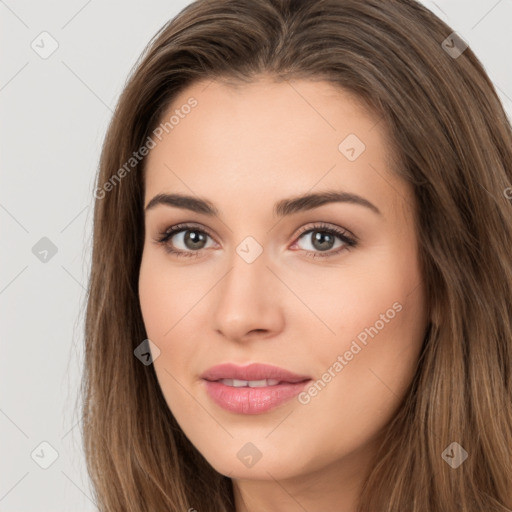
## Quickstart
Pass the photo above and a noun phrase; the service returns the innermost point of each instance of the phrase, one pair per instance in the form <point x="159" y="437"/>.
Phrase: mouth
<point x="254" y="373"/>
<point x="252" y="389"/>
<point x="236" y="383"/>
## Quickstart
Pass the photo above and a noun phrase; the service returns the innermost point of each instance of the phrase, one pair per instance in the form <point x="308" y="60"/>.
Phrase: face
<point x="328" y="288"/>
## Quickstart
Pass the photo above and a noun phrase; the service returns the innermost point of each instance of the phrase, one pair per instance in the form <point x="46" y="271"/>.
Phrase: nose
<point x="247" y="301"/>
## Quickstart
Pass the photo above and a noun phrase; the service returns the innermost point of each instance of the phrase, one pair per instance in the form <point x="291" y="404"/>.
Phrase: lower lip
<point x="248" y="400"/>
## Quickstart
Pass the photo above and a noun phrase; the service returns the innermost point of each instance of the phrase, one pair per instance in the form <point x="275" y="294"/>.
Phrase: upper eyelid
<point x="310" y="226"/>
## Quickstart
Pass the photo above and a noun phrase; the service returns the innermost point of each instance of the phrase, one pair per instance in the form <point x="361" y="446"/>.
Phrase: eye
<point x="322" y="239"/>
<point x="193" y="240"/>
<point x="188" y="236"/>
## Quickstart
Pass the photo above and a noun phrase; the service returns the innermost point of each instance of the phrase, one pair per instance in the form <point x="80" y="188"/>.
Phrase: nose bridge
<point x="244" y="301"/>
<point x="246" y="281"/>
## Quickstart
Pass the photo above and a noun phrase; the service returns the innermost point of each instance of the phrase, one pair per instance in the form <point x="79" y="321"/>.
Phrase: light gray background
<point x="54" y="114"/>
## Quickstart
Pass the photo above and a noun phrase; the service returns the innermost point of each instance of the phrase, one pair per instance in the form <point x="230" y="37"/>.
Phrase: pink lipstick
<point x="252" y="389"/>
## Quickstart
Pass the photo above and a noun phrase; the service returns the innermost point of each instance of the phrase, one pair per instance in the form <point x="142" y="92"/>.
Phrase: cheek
<point x="368" y="367"/>
<point x="378" y="319"/>
<point x="158" y="304"/>
<point x="161" y="313"/>
<point x="376" y="342"/>
<point x="168" y="301"/>
<point x="154" y="297"/>
<point x="384" y="293"/>
<point x="369" y="289"/>
<point x="164" y="292"/>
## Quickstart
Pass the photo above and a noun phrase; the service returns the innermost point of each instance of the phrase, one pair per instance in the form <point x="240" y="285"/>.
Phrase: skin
<point x="244" y="148"/>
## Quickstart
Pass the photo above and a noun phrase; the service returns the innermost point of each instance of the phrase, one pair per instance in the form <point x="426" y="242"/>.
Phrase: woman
<point x="301" y="275"/>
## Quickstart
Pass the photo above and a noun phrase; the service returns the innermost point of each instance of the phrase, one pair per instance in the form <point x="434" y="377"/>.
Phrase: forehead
<point x="319" y="104"/>
<point x="267" y="137"/>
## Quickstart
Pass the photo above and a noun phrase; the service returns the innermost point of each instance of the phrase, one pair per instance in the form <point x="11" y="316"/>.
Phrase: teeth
<point x="251" y="383"/>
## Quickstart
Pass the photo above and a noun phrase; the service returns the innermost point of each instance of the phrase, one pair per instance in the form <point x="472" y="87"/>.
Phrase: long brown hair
<point x="452" y="142"/>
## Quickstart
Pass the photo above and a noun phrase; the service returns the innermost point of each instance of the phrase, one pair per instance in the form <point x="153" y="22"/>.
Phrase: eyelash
<point x="349" y="242"/>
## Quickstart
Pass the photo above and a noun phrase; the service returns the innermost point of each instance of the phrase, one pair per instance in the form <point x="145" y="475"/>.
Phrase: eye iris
<point x="321" y="236"/>
<point x="195" y="237"/>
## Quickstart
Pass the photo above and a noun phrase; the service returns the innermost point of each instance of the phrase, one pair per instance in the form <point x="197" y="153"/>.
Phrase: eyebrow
<point x="282" y="208"/>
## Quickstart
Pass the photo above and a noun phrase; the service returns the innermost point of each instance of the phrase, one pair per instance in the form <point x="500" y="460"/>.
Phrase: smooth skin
<point x="243" y="149"/>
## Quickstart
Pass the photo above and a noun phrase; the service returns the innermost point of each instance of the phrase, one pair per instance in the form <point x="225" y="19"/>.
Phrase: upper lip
<point x="254" y="371"/>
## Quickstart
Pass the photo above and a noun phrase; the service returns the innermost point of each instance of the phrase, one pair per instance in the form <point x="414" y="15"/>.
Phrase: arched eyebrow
<point x="282" y="208"/>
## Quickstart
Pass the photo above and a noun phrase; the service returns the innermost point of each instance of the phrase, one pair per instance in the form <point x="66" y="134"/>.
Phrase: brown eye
<point x="191" y="239"/>
<point x="183" y="240"/>
<point x="322" y="239"/>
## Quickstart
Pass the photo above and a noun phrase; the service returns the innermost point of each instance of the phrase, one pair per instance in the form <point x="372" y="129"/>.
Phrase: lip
<point x="247" y="400"/>
<point x="254" y="371"/>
